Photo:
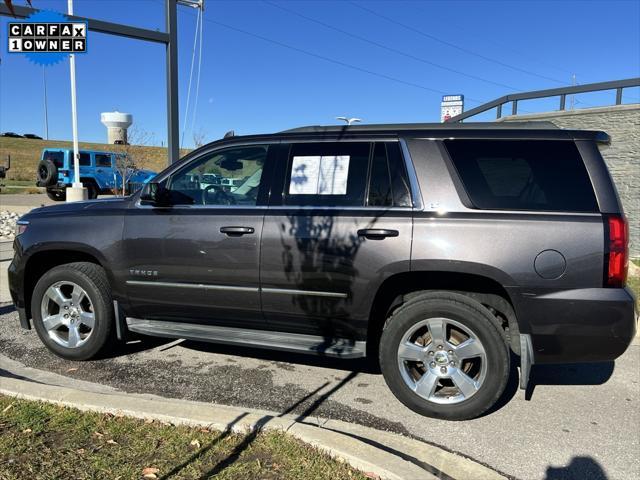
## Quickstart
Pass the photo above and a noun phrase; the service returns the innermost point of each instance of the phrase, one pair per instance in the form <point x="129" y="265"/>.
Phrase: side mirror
<point x="155" y="193"/>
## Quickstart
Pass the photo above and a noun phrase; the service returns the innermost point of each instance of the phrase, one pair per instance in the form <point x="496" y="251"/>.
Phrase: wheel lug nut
<point x="431" y="354"/>
<point x="432" y="364"/>
<point x="66" y="315"/>
<point x="450" y="352"/>
<point x="452" y="363"/>
<point x="439" y="347"/>
<point x="443" y="369"/>
<point x="66" y="307"/>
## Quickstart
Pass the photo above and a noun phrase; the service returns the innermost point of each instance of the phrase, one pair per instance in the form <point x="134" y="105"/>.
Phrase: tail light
<point x="617" y="253"/>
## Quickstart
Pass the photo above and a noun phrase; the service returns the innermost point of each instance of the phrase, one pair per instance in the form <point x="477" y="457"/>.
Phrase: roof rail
<point x="541" y="125"/>
<point x="562" y="92"/>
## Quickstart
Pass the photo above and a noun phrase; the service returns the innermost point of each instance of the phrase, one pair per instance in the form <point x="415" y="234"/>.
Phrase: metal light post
<point x="46" y="112"/>
<point x="77" y="191"/>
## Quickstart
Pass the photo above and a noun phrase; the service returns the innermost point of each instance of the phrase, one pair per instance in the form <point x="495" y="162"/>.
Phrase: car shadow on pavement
<point x="4" y="309"/>
<point x="362" y="365"/>
<point x="580" y="468"/>
<point x="569" y="374"/>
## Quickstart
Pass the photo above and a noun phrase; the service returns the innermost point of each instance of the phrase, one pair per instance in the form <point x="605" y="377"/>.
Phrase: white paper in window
<point x="315" y="175"/>
<point x="304" y="175"/>
<point x="334" y="170"/>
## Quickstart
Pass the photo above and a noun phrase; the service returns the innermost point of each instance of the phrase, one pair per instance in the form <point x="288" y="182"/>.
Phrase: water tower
<point x="117" y="124"/>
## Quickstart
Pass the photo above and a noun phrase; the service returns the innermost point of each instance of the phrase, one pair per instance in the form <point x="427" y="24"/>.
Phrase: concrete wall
<point x="622" y="123"/>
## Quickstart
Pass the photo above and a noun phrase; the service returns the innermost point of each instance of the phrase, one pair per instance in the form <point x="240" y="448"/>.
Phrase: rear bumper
<point x="582" y="325"/>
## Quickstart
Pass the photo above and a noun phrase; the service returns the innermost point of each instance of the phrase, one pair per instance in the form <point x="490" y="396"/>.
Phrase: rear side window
<point x="85" y="159"/>
<point x="388" y="184"/>
<point x="327" y="174"/>
<point x="103" y="160"/>
<point x="546" y="175"/>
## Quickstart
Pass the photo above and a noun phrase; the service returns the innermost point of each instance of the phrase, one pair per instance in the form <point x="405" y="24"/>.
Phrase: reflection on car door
<point x="200" y="262"/>
<point x="328" y="245"/>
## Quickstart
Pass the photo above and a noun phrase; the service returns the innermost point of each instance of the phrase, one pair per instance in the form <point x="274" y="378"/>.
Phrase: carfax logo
<point x="47" y="37"/>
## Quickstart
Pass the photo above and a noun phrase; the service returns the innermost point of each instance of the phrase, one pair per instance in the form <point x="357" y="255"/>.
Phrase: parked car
<point x="98" y="173"/>
<point x="11" y="134"/>
<point x="439" y="250"/>
<point x="32" y="136"/>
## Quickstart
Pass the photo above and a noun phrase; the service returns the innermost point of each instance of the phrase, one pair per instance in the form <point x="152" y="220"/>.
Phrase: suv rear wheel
<point x="73" y="311"/>
<point x="442" y="356"/>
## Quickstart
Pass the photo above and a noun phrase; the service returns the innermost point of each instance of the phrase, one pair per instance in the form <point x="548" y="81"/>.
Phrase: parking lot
<point x="581" y="421"/>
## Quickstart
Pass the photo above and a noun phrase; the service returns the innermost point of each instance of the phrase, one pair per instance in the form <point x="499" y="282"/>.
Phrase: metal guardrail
<point x="562" y="92"/>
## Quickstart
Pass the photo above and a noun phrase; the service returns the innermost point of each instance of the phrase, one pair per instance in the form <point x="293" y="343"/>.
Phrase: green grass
<point x="39" y="440"/>
<point x="26" y="153"/>
<point x="20" y="186"/>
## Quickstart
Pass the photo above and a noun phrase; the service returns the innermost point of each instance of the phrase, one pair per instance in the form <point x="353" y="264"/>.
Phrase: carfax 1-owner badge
<point x="47" y="37"/>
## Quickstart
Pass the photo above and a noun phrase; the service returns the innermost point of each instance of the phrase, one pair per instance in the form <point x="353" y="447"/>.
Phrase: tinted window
<point x="327" y="174"/>
<point x="399" y="179"/>
<point x="523" y="175"/>
<point x="56" y="157"/>
<point x="380" y="179"/>
<point x="103" y="160"/>
<point x="227" y="177"/>
<point x="85" y="159"/>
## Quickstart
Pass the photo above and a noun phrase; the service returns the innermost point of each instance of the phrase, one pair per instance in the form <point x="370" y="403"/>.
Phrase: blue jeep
<point x="98" y="173"/>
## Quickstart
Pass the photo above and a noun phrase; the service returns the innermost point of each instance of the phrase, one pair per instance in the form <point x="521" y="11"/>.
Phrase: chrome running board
<point x="288" y="342"/>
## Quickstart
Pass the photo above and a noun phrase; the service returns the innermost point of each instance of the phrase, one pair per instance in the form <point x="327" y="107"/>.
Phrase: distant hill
<point x="25" y="154"/>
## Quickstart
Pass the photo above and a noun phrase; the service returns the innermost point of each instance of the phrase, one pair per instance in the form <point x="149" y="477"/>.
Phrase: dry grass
<point x="25" y="154"/>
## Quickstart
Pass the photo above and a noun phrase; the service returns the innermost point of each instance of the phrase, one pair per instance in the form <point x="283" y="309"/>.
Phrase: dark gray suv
<point x="440" y="250"/>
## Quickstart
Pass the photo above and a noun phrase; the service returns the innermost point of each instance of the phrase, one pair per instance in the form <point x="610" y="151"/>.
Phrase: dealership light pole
<point x="46" y="112"/>
<point x="77" y="190"/>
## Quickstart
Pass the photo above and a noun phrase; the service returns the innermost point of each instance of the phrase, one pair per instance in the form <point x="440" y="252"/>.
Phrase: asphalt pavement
<point x="580" y="422"/>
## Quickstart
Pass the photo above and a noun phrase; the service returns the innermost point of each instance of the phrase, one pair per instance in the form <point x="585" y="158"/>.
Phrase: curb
<point x="387" y="455"/>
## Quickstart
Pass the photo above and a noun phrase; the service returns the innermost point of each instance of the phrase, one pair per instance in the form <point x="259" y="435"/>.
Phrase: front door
<point x="197" y="260"/>
<point x="338" y="225"/>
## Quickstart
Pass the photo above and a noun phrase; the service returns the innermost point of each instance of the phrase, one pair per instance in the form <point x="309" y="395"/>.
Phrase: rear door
<point x="86" y="165"/>
<point x="338" y="224"/>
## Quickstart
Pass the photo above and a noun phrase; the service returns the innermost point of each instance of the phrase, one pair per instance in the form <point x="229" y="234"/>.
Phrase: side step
<point x="288" y="342"/>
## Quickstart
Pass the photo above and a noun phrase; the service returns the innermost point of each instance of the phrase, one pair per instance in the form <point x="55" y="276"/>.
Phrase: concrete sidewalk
<point x="385" y="454"/>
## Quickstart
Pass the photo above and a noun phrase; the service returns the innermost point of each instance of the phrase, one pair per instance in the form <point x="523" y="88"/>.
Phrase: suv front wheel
<point x="73" y="311"/>
<point x="442" y="356"/>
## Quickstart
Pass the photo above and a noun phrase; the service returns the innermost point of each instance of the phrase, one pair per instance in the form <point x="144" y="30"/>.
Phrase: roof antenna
<point x="348" y="120"/>
<point x="229" y="134"/>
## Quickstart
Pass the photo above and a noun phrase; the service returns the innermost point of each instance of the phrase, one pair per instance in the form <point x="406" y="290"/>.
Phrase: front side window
<point x="228" y="177"/>
<point x="327" y="174"/>
<point x="546" y="175"/>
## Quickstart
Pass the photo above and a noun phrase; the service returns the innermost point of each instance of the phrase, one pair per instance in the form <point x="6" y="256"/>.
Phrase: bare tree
<point x="133" y="156"/>
<point x="199" y="138"/>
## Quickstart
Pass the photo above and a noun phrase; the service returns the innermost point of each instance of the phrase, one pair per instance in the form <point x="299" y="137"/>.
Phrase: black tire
<point x="473" y="316"/>
<point x="92" y="189"/>
<point x="93" y="279"/>
<point x="57" y="195"/>
<point x="47" y="173"/>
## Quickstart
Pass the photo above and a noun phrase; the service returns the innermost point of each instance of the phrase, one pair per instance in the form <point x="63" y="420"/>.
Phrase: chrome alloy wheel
<point x="442" y="360"/>
<point x="67" y="314"/>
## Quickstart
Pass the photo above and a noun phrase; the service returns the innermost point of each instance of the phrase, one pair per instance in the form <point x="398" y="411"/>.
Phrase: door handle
<point x="377" y="233"/>
<point x="237" y="231"/>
